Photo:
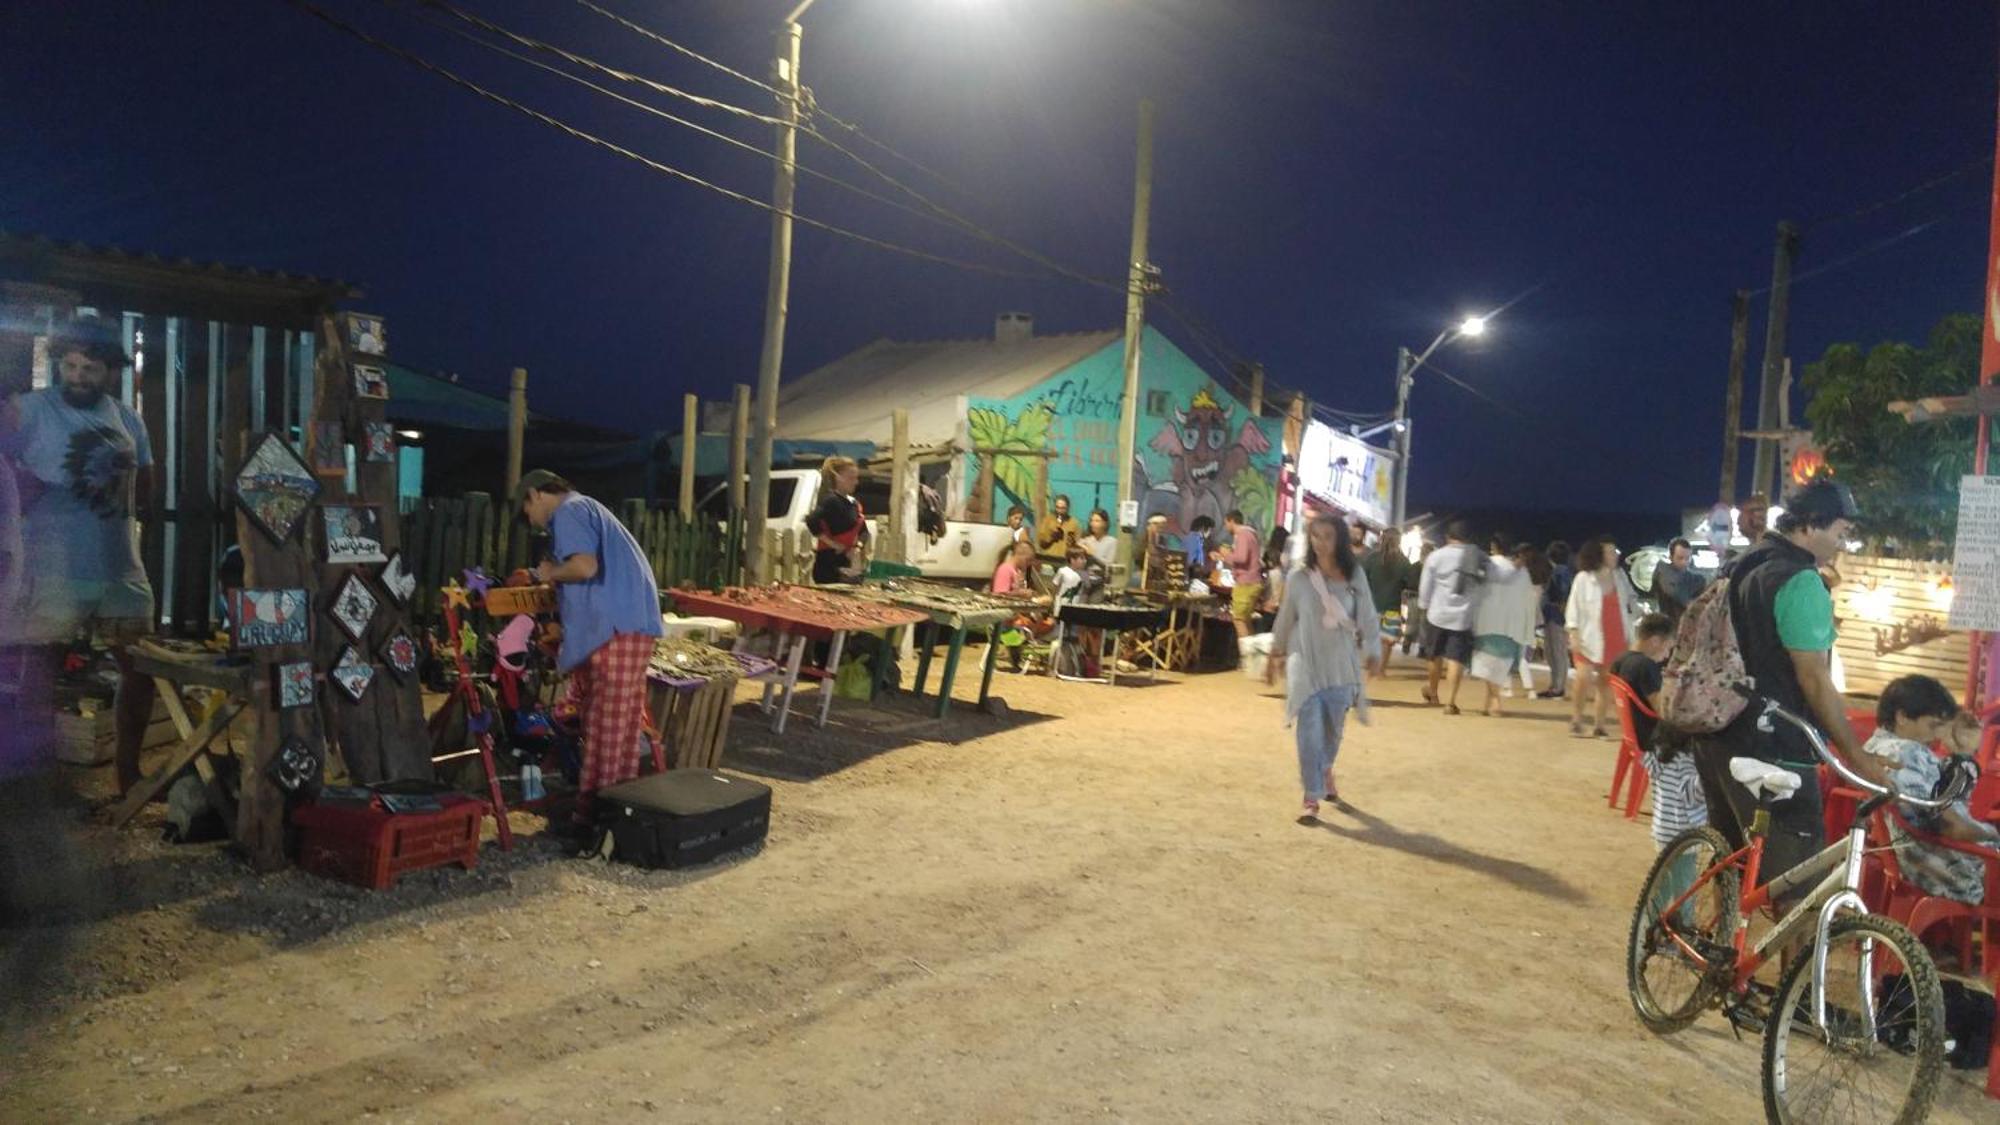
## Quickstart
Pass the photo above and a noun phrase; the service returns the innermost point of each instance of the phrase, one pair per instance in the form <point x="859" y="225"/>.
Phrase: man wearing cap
<point x="84" y="470"/>
<point x="610" y="610"/>
<point x="1783" y="617"/>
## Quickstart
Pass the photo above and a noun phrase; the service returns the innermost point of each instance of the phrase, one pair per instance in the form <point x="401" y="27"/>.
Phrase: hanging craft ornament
<point x="353" y="673"/>
<point x="260" y="618"/>
<point x="401" y="584"/>
<point x="295" y="766"/>
<point x="295" y="683"/>
<point x="399" y="652"/>
<point x="354" y="607"/>
<point x="275" y="487"/>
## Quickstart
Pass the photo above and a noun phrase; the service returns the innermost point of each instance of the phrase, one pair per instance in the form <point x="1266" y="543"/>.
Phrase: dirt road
<point x="1097" y="907"/>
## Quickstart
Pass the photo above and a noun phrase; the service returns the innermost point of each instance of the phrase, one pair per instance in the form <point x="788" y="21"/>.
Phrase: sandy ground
<point x="1098" y="906"/>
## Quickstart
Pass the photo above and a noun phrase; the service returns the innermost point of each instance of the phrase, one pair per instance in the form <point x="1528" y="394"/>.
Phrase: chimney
<point x="1013" y="328"/>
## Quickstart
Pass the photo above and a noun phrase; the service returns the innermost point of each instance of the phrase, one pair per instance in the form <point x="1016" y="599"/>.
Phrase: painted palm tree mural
<point x="1014" y="476"/>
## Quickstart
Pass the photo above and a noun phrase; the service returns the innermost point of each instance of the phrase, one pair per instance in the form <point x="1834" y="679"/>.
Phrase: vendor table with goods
<point x="171" y="668"/>
<point x="1117" y="619"/>
<point x="693" y="692"/>
<point x="958" y="609"/>
<point x="798" y="615"/>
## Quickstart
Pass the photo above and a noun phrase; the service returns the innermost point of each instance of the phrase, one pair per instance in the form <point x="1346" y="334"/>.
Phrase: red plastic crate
<point x="370" y="846"/>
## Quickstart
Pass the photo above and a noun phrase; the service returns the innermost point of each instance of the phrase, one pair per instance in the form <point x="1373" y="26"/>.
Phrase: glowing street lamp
<point x="1472" y="327"/>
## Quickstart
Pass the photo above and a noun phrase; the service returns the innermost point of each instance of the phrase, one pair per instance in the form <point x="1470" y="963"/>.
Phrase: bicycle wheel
<point x="1845" y="1073"/>
<point x="1669" y="987"/>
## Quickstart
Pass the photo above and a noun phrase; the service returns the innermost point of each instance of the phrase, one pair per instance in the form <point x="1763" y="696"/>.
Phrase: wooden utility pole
<point x="899" y="485"/>
<point x="1136" y="280"/>
<point x="1732" y="403"/>
<point x="517" y="425"/>
<point x="1771" y="379"/>
<point x="777" y="295"/>
<point x="690" y="437"/>
<point x="1256" y="390"/>
<point x="739" y="435"/>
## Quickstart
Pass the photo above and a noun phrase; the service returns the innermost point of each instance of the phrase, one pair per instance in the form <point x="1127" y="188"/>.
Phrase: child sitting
<point x="1678" y="804"/>
<point x="1914" y="712"/>
<point x="1081" y="581"/>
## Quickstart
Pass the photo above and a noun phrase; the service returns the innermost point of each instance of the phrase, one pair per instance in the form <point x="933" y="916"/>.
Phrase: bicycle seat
<point x="1764" y="779"/>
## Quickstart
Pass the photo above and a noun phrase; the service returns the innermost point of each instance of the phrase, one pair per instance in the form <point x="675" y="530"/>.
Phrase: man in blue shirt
<point x="610" y="610"/>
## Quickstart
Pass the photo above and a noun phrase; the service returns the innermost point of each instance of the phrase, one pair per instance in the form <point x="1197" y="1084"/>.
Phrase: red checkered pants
<point x="610" y="686"/>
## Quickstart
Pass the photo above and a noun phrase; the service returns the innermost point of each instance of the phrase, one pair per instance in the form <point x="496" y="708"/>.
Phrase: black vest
<point x="1755" y="578"/>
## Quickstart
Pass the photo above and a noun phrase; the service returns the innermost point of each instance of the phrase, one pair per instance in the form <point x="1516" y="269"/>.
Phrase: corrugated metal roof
<point x="15" y="245"/>
<point x="853" y="397"/>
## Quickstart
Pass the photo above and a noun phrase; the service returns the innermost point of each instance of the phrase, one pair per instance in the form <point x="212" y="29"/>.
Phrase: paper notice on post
<point x="1975" y="566"/>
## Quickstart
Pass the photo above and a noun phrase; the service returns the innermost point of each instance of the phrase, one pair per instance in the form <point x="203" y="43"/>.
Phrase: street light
<point x="1472" y="327"/>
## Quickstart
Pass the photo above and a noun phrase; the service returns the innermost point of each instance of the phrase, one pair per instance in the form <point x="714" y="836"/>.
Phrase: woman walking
<point x="1502" y="627"/>
<point x="1327" y="623"/>
<point x="1599" y="620"/>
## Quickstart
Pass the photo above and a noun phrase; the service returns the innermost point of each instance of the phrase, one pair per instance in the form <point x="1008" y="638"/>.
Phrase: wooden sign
<point x="353" y="534"/>
<point x="268" y="618"/>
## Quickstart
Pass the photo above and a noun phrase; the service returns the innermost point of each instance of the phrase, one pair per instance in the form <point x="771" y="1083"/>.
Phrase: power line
<point x="1865" y="251"/>
<point x="965" y="224"/>
<point x="1935" y="181"/>
<point x="665" y="169"/>
<point x="725" y="138"/>
<point x="808" y="103"/>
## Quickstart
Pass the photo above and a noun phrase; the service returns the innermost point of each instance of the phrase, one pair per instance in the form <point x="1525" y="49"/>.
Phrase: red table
<point x="797" y="615"/>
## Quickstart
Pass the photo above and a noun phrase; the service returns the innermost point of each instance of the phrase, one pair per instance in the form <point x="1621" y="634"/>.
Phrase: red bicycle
<point x="1854" y="1031"/>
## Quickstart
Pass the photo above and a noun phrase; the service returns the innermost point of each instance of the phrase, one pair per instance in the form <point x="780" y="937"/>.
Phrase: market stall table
<point x="171" y="668"/>
<point x="1173" y="644"/>
<point x="955" y="608"/>
<point x="693" y="687"/>
<point x="1115" y="619"/>
<point x="798" y="615"/>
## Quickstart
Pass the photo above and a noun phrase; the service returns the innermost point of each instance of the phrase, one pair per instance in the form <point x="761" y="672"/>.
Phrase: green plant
<point x="1904" y="476"/>
<point x="992" y="430"/>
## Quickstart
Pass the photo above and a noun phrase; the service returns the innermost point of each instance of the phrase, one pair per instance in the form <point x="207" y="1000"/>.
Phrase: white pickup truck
<point x="967" y="553"/>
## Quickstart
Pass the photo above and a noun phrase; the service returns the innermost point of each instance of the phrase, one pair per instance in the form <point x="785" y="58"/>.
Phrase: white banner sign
<point x="1346" y="472"/>
<point x="1975" y="567"/>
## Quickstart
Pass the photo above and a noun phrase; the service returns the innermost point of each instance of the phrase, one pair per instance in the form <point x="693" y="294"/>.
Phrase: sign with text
<point x="1976" y="561"/>
<point x="1346" y="472"/>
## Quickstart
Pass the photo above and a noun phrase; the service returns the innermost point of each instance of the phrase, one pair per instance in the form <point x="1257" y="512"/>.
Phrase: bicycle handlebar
<point x="1960" y="784"/>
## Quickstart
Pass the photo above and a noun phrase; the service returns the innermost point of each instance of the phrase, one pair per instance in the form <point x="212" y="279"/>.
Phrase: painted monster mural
<point x="1211" y="466"/>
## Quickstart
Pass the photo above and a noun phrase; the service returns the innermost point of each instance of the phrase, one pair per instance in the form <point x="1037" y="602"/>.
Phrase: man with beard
<point x="84" y="474"/>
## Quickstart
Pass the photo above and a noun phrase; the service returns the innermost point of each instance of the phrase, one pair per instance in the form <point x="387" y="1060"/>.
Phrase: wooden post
<point x="690" y="437"/>
<point x="1732" y="403"/>
<point x="517" y="425"/>
<point x="739" y="439"/>
<point x="1256" y="390"/>
<point x="899" y="471"/>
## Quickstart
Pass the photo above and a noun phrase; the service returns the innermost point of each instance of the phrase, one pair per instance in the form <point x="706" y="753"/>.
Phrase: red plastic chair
<point x="1922" y="913"/>
<point x="1631" y="761"/>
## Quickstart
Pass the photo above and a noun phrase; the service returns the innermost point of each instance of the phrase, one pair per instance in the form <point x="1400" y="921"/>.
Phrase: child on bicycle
<point x="1914" y="712"/>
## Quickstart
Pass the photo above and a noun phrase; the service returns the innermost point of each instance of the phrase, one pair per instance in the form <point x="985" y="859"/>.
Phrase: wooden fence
<point x="447" y="535"/>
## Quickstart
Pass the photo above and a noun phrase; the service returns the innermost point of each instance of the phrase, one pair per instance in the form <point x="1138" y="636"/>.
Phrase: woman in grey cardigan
<point x="1328" y="632"/>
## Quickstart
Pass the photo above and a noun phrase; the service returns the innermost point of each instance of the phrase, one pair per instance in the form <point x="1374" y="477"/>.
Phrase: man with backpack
<point x="1780" y="635"/>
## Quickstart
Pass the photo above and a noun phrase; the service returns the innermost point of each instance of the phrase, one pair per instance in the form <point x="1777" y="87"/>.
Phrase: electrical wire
<point x="965" y="224"/>
<point x="665" y="169"/>
<point x="704" y="130"/>
<point x="807" y="103"/>
<point x="1982" y="161"/>
<point x="1865" y="251"/>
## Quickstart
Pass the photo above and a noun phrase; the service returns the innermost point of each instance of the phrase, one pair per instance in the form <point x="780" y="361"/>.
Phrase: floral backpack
<point x="1705" y="685"/>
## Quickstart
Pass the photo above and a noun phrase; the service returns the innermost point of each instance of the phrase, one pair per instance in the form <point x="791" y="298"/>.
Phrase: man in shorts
<point x="83" y="470"/>
<point x="1245" y="561"/>
<point x="1448" y="592"/>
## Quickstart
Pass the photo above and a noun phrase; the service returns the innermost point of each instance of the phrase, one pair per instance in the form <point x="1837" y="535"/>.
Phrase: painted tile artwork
<point x="378" y="442"/>
<point x="364" y="333"/>
<point x="328" y="450"/>
<point x="352" y="673"/>
<point x="295" y="683"/>
<point x="370" y="381"/>
<point x="275" y="487"/>
<point x="261" y="618"/>
<point x="400" y="583"/>
<point x="296" y="765"/>
<point x="354" y="607"/>
<point x="399" y="652"/>
<point x="353" y="533"/>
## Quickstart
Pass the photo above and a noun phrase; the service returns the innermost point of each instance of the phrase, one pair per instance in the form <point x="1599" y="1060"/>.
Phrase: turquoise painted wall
<point x="1199" y="450"/>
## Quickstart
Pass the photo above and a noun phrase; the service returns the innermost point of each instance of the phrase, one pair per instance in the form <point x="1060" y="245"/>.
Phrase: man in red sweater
<point x="1245" y="561"/>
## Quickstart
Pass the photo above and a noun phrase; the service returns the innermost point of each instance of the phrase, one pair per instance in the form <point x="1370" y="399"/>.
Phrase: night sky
<point x="1333" y="179"/>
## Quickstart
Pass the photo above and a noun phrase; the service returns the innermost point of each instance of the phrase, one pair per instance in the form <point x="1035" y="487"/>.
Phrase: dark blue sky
<point x="1333" y="179"/>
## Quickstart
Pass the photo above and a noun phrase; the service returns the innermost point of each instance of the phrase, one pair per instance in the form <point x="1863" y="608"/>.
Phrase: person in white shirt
<point x="1448" y="592"/>
<point x="1598" y="620"/>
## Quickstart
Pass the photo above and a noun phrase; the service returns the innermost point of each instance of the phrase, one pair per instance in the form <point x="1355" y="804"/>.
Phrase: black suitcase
<point x="683" y="817"/>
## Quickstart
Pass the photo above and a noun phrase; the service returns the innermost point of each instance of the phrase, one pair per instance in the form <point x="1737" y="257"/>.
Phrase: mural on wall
<point x="1212" y="469"/>
<point x="1028" y="431"/>
<point x="1071" y="419"/>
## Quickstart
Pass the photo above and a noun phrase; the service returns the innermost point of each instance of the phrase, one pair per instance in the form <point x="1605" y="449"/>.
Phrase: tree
<point x="1904" y="476"/>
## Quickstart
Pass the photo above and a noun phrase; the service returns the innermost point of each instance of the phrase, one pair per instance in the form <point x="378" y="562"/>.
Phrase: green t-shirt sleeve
<point x="1805" y="614"/>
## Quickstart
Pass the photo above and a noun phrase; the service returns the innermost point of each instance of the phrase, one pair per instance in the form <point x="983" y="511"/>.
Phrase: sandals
<point x="1576" y="730"/>
<point x="1431" y="696"/>
<point x="1452" y="709"/>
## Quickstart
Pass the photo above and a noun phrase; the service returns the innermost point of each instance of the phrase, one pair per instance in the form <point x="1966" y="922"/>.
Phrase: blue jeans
<point x="1320" y="724"/>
